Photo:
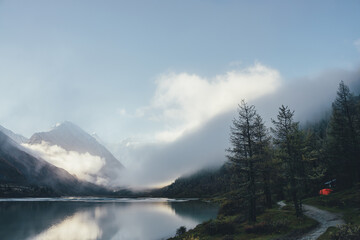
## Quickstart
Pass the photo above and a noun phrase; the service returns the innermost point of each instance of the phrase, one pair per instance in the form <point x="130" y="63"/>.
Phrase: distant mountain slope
<point x="20" y="169"/>
<point x="15" y="137"/>
<point x="204" y="183"/>
<point x="72" y="138"/>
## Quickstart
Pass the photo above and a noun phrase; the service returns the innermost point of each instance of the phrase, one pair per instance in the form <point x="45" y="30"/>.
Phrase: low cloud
<point x="159" y="163"/>
<point x="83" y="165"/>
<point x="184" y="102"/>
<point x="310" y="97"/>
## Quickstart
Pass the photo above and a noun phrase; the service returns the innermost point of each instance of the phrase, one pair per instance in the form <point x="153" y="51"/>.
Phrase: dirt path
<point x="326" y="219"/>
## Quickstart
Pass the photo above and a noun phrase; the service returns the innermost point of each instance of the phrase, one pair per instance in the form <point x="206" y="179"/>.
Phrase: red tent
<point x="325" y="191"/>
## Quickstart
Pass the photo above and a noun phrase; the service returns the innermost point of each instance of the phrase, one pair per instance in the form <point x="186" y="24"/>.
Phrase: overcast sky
<point x="165" y="71"/>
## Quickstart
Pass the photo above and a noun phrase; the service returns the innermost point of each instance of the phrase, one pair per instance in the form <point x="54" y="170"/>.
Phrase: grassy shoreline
<point x="277" y="223"/>
<point x="274" y="223"/>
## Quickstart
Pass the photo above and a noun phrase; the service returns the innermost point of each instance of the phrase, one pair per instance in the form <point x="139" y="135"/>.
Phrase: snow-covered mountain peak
<point x="72" y="138"/>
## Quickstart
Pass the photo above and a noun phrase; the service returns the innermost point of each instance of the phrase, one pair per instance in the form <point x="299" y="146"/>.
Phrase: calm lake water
<point x="99" y="218"/>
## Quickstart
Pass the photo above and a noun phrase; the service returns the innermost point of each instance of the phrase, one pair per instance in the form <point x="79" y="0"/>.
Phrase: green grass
<point x="273" y="224"/>
<point x="284" y="223"/>
<point x="346" y="202"/>
<point x="327" y="234"/>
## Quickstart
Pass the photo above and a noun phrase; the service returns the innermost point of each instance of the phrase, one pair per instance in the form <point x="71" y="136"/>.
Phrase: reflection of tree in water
<point x="197" y="210"/>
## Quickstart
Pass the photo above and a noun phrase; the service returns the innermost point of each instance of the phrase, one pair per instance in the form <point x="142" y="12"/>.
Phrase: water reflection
<point x="79" y="226"/>
<point x="131" y="220"/>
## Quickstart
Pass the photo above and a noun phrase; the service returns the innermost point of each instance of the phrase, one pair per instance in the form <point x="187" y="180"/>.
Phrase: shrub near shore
<point x="273" y="223"/>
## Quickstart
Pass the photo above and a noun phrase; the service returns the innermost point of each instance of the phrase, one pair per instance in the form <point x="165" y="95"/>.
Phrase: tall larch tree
<point x="248" y="139"/>
<point x="263" y="153"/>
<point x="287" y="139"/>
<point x="343" y="142"/>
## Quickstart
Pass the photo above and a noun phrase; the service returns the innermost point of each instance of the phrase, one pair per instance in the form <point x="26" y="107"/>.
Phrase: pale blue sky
<point x="159" y="81"/>
<point x="98" y="63"/>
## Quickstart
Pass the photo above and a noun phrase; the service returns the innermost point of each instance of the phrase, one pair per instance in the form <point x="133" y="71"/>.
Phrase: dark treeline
<point x="284" y="162"/>
<point x="205" y="183"/>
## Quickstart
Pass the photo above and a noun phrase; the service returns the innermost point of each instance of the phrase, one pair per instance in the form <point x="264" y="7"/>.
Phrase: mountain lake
<point x="100" y="218"/>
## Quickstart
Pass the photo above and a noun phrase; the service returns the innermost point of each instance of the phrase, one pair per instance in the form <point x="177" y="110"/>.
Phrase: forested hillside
<point x="284" y="162"/>
<point x="287" y="161"/>
<point x="205" y="183"/>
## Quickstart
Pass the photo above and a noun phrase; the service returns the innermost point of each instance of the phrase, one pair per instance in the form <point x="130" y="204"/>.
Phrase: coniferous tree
<point x="287" y="138"/>
<point x="314" y="164"/>
<point x="263" y="153"/>
<point x="343" y="146"/>
<point x="241" y="155"/>
<point x="249" y="141"/>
